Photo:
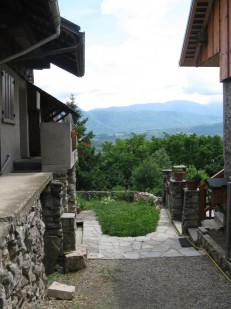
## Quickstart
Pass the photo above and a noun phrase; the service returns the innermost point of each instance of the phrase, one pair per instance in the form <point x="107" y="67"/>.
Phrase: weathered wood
<point x="216" y="27"/>
<point x="210" y="51"/>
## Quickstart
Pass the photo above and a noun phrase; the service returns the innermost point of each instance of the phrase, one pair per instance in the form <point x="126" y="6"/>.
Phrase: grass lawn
<point x="120" y="218"/>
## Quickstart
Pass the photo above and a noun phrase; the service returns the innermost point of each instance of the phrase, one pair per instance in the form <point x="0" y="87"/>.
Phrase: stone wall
<point x="176" y="199"/>
<point x="68" y="179"/>
<point x="22" y="273"/>
<point x="52" y="210"/>
<point x="190" y="214"/>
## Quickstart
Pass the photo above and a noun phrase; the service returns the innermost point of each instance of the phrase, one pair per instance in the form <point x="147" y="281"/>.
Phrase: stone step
<point x="211" y="224"/>
<point x="219" y="217"/>
<point x="61" y="291"/>
<point x="193" y="235"/>
<point x="76" y="260"/>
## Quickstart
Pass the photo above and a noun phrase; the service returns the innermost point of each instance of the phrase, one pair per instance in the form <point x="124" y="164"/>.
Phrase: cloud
<point x="134" y="56"/>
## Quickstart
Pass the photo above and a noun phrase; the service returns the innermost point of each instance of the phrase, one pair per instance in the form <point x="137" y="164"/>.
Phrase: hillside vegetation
<point x="142" y="118"/>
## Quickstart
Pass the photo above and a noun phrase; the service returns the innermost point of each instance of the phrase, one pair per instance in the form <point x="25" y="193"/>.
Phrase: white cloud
<point x="143" y="67"/>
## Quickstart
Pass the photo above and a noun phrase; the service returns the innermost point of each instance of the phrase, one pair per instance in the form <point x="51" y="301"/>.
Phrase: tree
<point x="86" y="152"/>
<point x="147" y="176"/>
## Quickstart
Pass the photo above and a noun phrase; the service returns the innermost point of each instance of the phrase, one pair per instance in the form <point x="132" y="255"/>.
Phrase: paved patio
<point x="164" y="242"/>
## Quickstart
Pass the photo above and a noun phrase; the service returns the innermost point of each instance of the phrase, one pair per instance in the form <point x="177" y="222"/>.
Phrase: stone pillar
<point x="166" y="174"/>
<point x="62" y="177"/>
<point x="176" y="199"/>
<point x="190" y="214"/>
<point x="227" y="126"/>
<point x="71" y="190"/>
<point x="69" y="229"/>
<point x="52" y="210"/>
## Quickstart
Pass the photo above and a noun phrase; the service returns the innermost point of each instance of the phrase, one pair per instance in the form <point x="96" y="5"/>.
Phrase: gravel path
<point x="155" y="283"/>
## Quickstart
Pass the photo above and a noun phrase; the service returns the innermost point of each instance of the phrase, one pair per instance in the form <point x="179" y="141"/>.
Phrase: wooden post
<point x="228" y="225"/>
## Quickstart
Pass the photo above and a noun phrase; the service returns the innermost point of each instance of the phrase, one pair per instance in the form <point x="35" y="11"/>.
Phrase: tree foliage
<point x="135" y="162"/>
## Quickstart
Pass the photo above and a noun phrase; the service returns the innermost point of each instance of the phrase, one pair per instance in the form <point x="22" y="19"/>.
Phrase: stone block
<point x="68" y="220"/>
<point x="61" y="291"/>
<point x="76" y="260"/>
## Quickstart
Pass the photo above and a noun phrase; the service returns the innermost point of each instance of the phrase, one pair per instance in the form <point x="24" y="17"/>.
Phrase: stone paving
<point x="162" y="243"/>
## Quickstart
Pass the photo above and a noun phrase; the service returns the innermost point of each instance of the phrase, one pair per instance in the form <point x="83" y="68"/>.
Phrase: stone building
<point x="207" y="44"/>
<point x="37" y="147"/>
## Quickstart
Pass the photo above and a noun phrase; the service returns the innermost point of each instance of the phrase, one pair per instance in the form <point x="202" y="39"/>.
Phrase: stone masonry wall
<point x="227" y="126"/>
<point x="71" y="190"/>
<point x="52" y="210"/>
<point x="190" y="215"/>
<point x="22" y="273"/>
<point x="176" y="199"/>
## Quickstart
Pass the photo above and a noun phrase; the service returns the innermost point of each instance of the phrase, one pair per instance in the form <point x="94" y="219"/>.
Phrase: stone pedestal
<point x="69" y="229"/>
<point x="190" y="214"/>
<point x="176" y="199"/>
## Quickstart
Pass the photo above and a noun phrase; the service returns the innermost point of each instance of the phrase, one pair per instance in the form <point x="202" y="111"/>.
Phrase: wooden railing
<point x="206" y="206"/>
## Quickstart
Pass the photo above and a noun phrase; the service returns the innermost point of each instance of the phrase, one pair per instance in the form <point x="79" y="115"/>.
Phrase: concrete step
<point x="211" y="224"/>
<point x="193" y="235"/>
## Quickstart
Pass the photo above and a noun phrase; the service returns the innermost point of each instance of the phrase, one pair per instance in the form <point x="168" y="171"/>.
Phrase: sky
<point x="132" y="53"/>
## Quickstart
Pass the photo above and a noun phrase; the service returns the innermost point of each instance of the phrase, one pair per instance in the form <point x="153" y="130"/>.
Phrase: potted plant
<point x="194" y="177"/>
<point x="178" y="172"/>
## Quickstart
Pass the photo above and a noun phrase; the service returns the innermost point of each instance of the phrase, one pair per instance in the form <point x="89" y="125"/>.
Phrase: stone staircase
<point x="209" y="224"/>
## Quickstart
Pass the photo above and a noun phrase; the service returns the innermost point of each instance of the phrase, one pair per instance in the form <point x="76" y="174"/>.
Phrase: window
<point x="8" y="83"/>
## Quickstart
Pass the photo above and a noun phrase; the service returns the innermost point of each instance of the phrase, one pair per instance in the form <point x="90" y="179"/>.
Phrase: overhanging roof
<point x="66" y="52"/>
<point x="195" y="32"/>
<point x="30" y="22"/>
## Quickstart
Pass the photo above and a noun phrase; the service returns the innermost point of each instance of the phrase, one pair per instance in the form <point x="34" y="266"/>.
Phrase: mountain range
<point x="157" y="117"/>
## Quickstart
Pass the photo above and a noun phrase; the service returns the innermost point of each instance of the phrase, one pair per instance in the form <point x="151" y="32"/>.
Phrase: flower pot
<point x="178" y="176"/>
<point x="191" y="184"/>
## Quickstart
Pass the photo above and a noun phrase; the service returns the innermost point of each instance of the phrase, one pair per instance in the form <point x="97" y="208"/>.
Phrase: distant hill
<point x="141" y="118"/>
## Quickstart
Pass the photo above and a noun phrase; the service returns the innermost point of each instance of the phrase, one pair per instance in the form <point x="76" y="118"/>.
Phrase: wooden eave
<point x="196" y="32"/>
<point x="29" y="22"/>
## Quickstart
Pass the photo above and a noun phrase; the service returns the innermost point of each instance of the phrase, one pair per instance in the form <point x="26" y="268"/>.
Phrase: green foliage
<point x="135" y="163"/>
<point x="147" y="176"/>
<point x="196" y="175"/>
<point x="123" y="219"/>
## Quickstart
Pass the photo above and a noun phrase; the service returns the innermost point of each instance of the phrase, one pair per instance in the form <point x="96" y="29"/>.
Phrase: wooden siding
<point x="219" y="43"/>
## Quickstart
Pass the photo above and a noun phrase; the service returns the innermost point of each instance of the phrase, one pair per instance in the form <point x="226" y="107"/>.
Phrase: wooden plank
<point x="210" y="37"/>
<point x="224" y="61"/>
<point x="216" y="27"/>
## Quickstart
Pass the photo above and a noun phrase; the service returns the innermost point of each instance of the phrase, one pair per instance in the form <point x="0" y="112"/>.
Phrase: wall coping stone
<point x="18" y="192"/>
<point x="68" y="215"/>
